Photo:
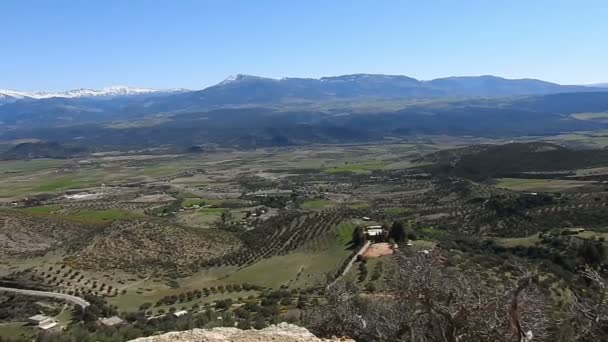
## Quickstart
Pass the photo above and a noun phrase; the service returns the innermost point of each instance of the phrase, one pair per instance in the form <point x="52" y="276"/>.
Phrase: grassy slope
<point x="318" y="204"/>
<point x="313" y="261"/>
<point x="83" y="216"/>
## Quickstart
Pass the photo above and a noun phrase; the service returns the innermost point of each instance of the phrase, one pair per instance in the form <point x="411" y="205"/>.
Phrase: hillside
<point x="41" y="150"/>
<point x="493" y="161"/>
<point x="342" y="123"/>
<point x="145" y="246"/>
<point x="136" y="245"/>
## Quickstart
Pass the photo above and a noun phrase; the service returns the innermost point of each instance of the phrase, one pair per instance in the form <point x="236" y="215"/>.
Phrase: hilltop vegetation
<point x="41" y="150"/>
<point x="484" y="162"/>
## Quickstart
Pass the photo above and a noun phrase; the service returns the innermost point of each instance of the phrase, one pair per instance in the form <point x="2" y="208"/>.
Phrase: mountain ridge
<point x="108" y="92"/>
<point x="122" y="90"/>
<point x="246" y="89"/>
<point x="241" y="90"/>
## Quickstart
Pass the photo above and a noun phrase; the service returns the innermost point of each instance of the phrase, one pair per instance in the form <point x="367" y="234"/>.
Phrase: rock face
<point x="282" y="332"/>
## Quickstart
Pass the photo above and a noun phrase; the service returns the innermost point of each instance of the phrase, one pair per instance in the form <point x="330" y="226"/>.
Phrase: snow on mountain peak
<point x="112" y="91"/>
<point x="241" y="77"/>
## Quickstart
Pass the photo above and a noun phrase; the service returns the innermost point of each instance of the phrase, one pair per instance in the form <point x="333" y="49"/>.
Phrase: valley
<point x="144" y="234"/>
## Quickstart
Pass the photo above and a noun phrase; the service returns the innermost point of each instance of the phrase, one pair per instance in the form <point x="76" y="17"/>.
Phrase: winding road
<point x="72" y="299"/>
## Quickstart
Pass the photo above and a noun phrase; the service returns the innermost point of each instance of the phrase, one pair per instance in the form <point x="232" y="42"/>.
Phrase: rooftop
<point x="373" y="227"/>
<point x="48" y="325"/>
<point x="110" y="321"/>
<point x="38" y="318"/>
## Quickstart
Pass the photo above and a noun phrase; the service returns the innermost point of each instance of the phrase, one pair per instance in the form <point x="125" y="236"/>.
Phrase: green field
<point x="599" y="117"/>
<point x="588" y="139"/>
<point x="527" y="241"/>
<point x="359" y="205"/>
<point x="189" y="202"/>
<point x="307" y="266"/>
<point x="361" y="168"/>
<point x="14" y="166"/>
<point x="83" y="216"/>
<point x="17" y="331"/>
<point x="531" y="184"/>
<point x="318" y="204"/>
<point x="395" y="211"/>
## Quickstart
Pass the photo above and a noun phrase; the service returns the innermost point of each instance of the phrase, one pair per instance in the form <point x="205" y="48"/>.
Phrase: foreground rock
<point x="282" y="332"/>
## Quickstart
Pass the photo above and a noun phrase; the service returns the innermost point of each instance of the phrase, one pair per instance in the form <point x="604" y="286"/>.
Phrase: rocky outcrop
<point x="282" y="332"/>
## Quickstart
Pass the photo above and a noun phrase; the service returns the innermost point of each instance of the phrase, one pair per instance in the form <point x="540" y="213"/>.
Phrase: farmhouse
<point x="376" y="234"/>
<point x="44" y="323"/>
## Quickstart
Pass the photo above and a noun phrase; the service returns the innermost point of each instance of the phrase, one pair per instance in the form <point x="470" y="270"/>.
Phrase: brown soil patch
<point x="377" y="250"/>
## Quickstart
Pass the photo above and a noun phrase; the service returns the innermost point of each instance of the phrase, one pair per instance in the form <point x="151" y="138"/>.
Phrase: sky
<point x="59" y="44"/>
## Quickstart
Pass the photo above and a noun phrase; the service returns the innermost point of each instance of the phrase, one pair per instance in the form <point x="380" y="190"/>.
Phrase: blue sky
<point x="60" y="44"/>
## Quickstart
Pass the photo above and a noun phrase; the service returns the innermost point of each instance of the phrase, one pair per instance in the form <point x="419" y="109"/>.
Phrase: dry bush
<point x="589" y="309"/>
<point x="428" y="301"/>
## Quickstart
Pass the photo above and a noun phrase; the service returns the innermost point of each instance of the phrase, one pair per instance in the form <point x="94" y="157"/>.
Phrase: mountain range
<point x="246" y="89"/>
<point x="120" y="103"/>
<point x="7" y="95"/>
<point x="346" y="86"/>
<point x="249" y="111"/>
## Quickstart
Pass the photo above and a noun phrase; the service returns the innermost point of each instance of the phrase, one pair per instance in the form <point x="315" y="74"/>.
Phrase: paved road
<point x="72" y="299"/>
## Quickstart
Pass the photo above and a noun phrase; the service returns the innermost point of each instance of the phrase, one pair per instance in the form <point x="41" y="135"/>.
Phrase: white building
<point x="48" y="325"/>
<point x="180" y="313"/>
<point x="374" y="231"/>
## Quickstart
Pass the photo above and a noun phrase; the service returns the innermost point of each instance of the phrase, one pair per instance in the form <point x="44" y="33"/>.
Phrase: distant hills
<point x="32" y="150"/>
<point x="483" y="162"/>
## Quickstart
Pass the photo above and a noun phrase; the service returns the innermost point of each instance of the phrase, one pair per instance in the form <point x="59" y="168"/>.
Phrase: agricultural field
<point x="150" y="234"/>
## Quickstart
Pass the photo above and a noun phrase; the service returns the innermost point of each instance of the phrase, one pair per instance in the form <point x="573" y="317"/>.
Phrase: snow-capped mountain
<point x="243" y="77"/>
<point x="7" y="95"/>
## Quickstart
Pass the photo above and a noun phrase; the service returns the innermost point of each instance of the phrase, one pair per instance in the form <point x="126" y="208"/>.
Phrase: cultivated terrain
<point x="345" y="205"/>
